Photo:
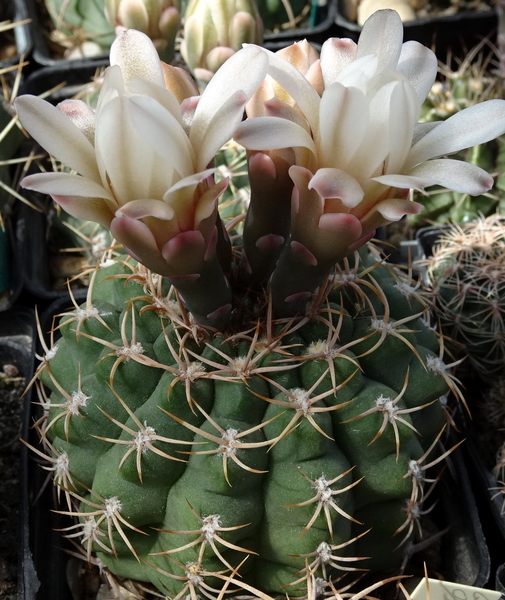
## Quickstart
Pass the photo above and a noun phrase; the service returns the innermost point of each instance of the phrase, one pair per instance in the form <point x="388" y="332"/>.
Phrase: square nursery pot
<point x="461" y="553"/>
<point x="17" y="42"/>
<point x="456" y="33"/>
<point x="17" y="336"/>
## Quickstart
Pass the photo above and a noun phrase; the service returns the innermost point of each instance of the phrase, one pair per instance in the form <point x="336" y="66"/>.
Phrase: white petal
<point x="112" y="86"/>
<point x="271" y="133"/>
<point x="136" y="55"/>
<point x="81" y="115"/>
<point x="192" y="180"/>
<point x="419" y="64"/>
<point x="359" y="72"/>
<point x="472" y="126"/>
<point x="163" y="133"/>
<point x="455" y="175"/>
<point x="382" y="34"/>
<point x="421" y="129"/>
<point x="336" y="54"/>
<point x="393" y="209"/>
<point x="139" y="209"/>
<point x="403" y="115"/>
<point x="368" y="161"/>
<point x="244" y="71"/>
<point x="79" y="197"/>
<point x="65" y="184"/>
<point x="334" y="183"/>
<point x="58" y="135"/>
<point x="133" y="168"/>
<point x="219" y="130"/>
<point x="297" y="86"/>
<point x="344" y="113"/>
<point x="162" y="95"/>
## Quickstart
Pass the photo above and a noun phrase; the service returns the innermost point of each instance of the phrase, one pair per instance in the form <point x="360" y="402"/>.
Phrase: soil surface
<point x="11" y="412"/>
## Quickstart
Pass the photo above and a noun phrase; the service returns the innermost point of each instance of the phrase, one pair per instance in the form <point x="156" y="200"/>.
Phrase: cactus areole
<point x="257" y="405"/>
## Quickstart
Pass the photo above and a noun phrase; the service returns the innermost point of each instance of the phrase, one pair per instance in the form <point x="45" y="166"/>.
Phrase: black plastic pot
<point x="16" y="10"/>
<point x="34" y="232"/>
<point x="11" y="264"/>
<point x="457" y="33"/>
<point x="17" y="336"/>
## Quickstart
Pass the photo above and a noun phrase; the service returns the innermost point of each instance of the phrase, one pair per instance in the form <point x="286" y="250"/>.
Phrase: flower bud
<point x="305" y="58"/>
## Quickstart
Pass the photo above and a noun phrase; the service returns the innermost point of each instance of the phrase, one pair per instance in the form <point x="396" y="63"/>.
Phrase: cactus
<point x="214" y="31"/>
<point x="159" y="19"/>
<point x="467" y="276"/>
<point x="285" y="443"/>
<point x="88" y="27"/>
<point x="81" y="27"/>
<point x="252" y="405"/>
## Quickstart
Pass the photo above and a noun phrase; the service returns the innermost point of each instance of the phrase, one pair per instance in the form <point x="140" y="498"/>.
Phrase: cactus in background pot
<point x="85" y="28"/>
<point x="467" y="276"/>
<point x="258" y="418"/>
<point x="158" y="19"/>
<point x="80" y="27"/>
<point x="214" y="30"/>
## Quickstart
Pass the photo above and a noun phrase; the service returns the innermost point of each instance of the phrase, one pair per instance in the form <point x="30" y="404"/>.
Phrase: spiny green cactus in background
<point x="216" y="29"/>
<point x="285" y="443"/>
<point x="467" y="275"/>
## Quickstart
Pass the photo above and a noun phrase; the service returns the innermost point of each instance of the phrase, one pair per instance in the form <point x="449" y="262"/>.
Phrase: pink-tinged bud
<point x="305" y="59"/>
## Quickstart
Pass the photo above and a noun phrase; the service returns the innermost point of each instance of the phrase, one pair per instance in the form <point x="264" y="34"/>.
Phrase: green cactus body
<point x="467" y="276"/>
<point x="262" y="458"/>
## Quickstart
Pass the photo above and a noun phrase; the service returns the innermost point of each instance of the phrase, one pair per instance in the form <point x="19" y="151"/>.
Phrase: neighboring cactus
<point x="88" y="27"/>
<point x="80" y="27"/>
<point x="158" y="19"/>
<point x="467" y="275"/>
<point x="216" y="29"/>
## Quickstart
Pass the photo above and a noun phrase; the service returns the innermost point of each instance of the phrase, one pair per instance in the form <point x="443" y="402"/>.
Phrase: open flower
<point x="141" y="160"/>
<point x="358" y="145"/>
